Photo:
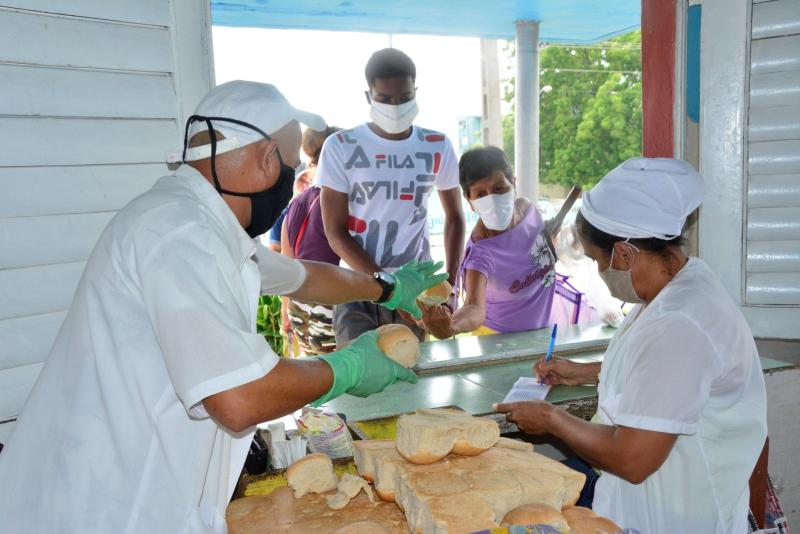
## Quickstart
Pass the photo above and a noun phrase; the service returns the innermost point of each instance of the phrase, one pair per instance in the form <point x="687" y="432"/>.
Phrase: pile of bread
<point x="447" y="473"/>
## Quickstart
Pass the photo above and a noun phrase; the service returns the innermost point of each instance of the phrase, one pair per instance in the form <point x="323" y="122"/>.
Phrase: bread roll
<point x="429" y="435"/>
<point x="436" y="295"/>
<point x="577" y="512"/>
<point x="593" y="525"/>
<point x="399" y="343"/>
<point x="311" y="474"/>
<point x="535" y="514"/>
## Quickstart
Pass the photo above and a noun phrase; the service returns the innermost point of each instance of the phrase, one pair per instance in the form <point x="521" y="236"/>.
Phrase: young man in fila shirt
<point x="376" y="179"/>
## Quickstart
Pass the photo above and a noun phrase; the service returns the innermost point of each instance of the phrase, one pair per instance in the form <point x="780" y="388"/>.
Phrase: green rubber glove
<point x="361" y="369"/>
<point x="410" y="280"/>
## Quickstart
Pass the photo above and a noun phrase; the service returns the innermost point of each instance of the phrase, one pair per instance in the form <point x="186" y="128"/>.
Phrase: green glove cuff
<point x="343" y="368"/>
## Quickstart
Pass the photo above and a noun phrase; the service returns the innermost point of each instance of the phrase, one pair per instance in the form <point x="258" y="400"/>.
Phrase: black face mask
<point x="265" y="206"/>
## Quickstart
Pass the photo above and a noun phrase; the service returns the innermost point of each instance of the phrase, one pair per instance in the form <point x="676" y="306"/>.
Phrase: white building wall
<point x="93" y="95"/>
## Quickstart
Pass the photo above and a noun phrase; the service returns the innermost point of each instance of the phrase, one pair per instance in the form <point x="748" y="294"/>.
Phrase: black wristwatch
<point x="386" y="281"/>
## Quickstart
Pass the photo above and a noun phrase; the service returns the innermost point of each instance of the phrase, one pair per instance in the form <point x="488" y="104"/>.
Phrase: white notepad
<point x="525" y="389"/>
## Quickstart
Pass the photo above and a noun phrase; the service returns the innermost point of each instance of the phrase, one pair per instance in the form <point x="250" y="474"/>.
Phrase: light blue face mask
<point x="619" y="282"/>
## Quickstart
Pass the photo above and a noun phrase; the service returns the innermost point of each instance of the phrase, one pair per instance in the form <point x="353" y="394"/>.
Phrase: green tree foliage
<point x="591" y="120"/>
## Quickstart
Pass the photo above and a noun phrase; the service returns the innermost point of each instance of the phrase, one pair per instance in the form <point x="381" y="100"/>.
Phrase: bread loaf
<point x="436" y="295"/>
<point x="535" y="514"/>
<point x="486" y="487"/>
<point x="311" y="474"/>
<point x="593" y="525"/>
<point x="399" y="343"/>
<point x="429" y="435"/>
<point x="577" y="512"/>
<point x="377" y="460"/>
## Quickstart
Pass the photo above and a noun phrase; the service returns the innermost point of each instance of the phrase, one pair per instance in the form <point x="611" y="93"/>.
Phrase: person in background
<point x="682" y="407"/>
<point x="301" y="183"/>
<point x="376" y="179"/>
<point x="508" y="272"/>
<point x="303" y="237"/>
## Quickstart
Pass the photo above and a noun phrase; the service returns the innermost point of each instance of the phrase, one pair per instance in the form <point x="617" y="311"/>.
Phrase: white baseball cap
<point x="259" y="104"/>
<point x="644" y="197"/>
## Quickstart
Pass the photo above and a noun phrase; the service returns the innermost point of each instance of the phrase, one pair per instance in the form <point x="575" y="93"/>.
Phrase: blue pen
<point x="550" y="349"/>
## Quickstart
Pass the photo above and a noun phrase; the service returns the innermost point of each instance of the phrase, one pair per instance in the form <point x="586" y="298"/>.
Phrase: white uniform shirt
<point x="686" y="364"/>
<point x="114" y="437"/>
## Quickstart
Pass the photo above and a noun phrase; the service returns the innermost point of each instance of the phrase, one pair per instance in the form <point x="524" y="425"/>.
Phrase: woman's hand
<point x="531" y="417"/>
<point x="565" y="372"/>
<point x="438" y="320"/>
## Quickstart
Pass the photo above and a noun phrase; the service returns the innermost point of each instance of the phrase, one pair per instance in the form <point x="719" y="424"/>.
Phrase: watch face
<point x="386" y="277"/>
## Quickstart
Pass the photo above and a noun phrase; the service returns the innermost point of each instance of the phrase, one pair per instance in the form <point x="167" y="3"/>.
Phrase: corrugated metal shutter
<point x="94" y="93"/>
<point x="772" y="269"/>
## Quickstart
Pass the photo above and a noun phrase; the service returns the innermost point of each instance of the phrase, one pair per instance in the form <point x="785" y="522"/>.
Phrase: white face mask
<point x="619" y="282"/>
<point x="394" y="119"/>
<point x="496" y="211"/>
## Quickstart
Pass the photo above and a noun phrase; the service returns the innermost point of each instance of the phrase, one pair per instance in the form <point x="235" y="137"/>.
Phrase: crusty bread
<point x="577" y="512"/>
<point x="349" y="486"/>
<point x="535" y="514"/>
<point x="311" y="474"/>
<point x="436" y="295"/>
<point x="429" y="435"/>
<point x="399" y="343"/>
<point x="257" y="515"/>
<point x="498" y="480"/>
<point x="515" y="444"/>
<point x="377" y="460"/>
<point x="593" y="525"/>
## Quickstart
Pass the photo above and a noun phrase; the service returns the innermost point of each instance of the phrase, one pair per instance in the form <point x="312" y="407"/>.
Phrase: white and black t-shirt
<point x="388" y="184"/>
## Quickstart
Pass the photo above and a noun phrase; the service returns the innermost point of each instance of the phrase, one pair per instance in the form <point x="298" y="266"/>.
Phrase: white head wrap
<point x="643" y="198"/>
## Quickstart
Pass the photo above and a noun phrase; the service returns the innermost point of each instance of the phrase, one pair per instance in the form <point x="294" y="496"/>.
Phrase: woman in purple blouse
<point x="508" y="271"/>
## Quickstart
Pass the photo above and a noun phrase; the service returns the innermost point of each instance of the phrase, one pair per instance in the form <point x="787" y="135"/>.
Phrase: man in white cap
<point x="682" y="405"/>
<point x="145" y="409"/>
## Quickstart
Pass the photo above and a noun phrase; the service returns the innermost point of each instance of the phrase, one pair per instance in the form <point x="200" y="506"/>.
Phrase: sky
<point x="323" y="71"/>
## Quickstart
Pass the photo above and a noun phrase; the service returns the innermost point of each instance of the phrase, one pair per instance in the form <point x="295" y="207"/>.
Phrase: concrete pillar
<point x="491" y="118"/>
<point x="526" y="135"/>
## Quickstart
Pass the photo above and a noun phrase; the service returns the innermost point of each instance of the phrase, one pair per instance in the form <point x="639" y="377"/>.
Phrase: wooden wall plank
<point x="38" y="290"/>
<point x="773" y="190"/>
<point x="42" y="39"/>
<point x="5" y="430"/>
<point x="15" y="385"/>
<point x="85" y="141"/>
<point x="59" y="92"/>
<point x="50" y="239"/>
<point x="773" y="288"/>
<point x="28" y="340"/>
<point x="774" y="123"/>
<point x="34" y="191"/>
<point x="774" y="157"/>
<point x="773" y="19"/>
<point x="141" y="11"/>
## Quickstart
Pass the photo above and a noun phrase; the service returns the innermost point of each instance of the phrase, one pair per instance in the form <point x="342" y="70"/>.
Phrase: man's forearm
<point x="453" y="245"/>
<point x="328" y="284"/>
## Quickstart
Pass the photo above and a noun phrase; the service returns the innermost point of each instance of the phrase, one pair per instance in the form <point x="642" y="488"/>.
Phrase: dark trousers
<point x="587" y="493"/>
<point x="354" y="318"/>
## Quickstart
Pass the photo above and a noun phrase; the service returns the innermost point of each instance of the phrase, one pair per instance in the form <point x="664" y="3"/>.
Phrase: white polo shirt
<point x="114" y="437"/>
<point x="686" y="364"/>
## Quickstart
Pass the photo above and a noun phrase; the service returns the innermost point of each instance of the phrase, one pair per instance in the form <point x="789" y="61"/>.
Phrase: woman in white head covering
<point x="681" y="418"/>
